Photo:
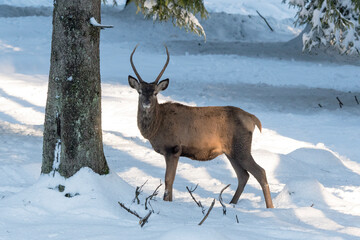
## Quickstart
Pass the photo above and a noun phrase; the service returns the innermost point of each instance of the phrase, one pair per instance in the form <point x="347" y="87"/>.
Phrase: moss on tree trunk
<point x="73" y="108"/>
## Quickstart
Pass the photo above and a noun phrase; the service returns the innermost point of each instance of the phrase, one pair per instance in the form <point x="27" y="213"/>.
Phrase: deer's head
<point x="148" y="91"/>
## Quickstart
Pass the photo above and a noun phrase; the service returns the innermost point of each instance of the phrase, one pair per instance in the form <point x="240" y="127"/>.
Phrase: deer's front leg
<point x="172" y="159"/>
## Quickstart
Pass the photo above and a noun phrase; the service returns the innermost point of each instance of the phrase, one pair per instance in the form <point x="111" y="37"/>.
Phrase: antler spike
<point x="133" y="66"/>
<point x="167" y="62"/>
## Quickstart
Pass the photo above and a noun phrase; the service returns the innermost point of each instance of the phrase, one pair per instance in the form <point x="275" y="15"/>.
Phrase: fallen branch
<point x="145" y="219"/>
<point x="220" y="198"/>
<point x="129" y="210"/>
<point x="340" y="103"/>
<point x="155" y="193"/>
<point x="192" y="196"/>
<point x="357" y="101"/>
<point x="191" y="191"/>
<point x="265" y="21"/>
<point x="137" y="193"/>
<point x="208" y="212"/>
<point x="237" y="220"/>
<point x="142" y="220"/>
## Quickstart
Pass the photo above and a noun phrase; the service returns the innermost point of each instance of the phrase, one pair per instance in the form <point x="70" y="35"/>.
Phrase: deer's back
<point x="202" y="132"/>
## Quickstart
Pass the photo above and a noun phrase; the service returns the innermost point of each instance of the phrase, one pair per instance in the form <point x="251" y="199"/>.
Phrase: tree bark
<point x="72" y="129"/>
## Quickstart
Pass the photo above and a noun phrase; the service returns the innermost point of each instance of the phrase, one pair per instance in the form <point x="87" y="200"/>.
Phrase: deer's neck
<point x="149" y="120"/>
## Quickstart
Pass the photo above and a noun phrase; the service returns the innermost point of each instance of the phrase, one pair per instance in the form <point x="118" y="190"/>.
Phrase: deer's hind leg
<point x="242" y="176"/>
<point x="241" y="154"/>
<point x="259" y="173"/>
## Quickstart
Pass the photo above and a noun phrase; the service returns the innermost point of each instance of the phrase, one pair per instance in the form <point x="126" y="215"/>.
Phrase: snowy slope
<point x="310" y="153"/>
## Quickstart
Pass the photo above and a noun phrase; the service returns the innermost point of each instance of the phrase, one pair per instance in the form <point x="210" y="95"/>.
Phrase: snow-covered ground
<point x="310" y="153"/>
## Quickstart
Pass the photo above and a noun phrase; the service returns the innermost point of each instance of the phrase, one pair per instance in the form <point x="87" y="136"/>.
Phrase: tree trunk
<point x="72" y="130"/>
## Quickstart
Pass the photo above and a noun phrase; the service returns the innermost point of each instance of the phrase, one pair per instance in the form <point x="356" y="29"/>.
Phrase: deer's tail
<point x="257" y="122"/>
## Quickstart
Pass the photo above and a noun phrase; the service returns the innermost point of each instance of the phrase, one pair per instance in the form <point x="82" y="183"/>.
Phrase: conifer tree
<point x="333" y="22"/>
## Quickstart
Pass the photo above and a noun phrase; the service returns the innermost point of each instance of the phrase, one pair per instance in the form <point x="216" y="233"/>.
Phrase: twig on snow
<point x="129" y="210"/>
<point x="356" y="99"/>
<point x="137" y="193"/>
<point x="237" y="220"/>
<point x="220" y="198"/>
<point x="192" y="196"/>
<point x="143" y="220"/>
<point x="149" y="198"/>
<point x="208" y="212"/>
<point x="265" y="21"/>
<point x="191" y="191"/>
<point x="340" y="103"/>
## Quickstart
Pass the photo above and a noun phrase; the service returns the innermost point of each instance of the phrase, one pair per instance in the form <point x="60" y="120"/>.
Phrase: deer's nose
<point x="146" y="105"/>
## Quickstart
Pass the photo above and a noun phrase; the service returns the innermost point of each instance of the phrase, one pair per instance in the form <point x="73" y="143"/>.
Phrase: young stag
<point x="199" y="133"/>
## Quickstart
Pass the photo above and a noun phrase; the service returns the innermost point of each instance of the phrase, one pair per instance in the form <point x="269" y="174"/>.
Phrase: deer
<point x="200" y="133"/>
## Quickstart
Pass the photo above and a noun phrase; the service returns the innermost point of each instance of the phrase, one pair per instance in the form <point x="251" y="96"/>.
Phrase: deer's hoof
<point x="167" y="196"/>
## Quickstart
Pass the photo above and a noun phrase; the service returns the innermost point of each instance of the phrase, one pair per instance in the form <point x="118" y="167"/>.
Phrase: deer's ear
<point x="162" y="85"/>
<point x="134" y="83"/>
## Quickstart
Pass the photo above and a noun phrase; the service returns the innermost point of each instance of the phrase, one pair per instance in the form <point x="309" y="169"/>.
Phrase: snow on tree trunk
<point x="72" y="130"/>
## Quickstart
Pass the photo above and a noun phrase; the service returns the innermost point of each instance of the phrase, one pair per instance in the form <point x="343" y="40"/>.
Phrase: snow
<point x="267" y="8"/>
<point x="27" y="3"/>
<point x="310" y="153"/>
<point x="96" y="24"/>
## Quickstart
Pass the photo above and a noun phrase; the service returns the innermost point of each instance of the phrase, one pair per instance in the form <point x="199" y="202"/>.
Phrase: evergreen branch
<point x="181" y="13"/>
<point x="334" y="23"/>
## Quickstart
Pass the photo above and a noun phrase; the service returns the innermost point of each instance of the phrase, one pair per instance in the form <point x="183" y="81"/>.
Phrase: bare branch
<point x="340" y="103"/>
<point x="145" y="219"/>
<point x="94" y="23"/>
<point x="265" y="21"/>
<point x="149" y="198"/>
<point x="208" y="212"/>
<point x="192" y="196"/>
<point x="142" y="220"/>
<point x="220" y="198"/>
<point x="137" y="193"/>
<point x="129" y="210"/>
<point x="191" y="191"/>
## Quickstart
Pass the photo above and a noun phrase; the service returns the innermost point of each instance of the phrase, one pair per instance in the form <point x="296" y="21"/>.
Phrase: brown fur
<point x="199" y="133"/>
<point x="203" y="132"/>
